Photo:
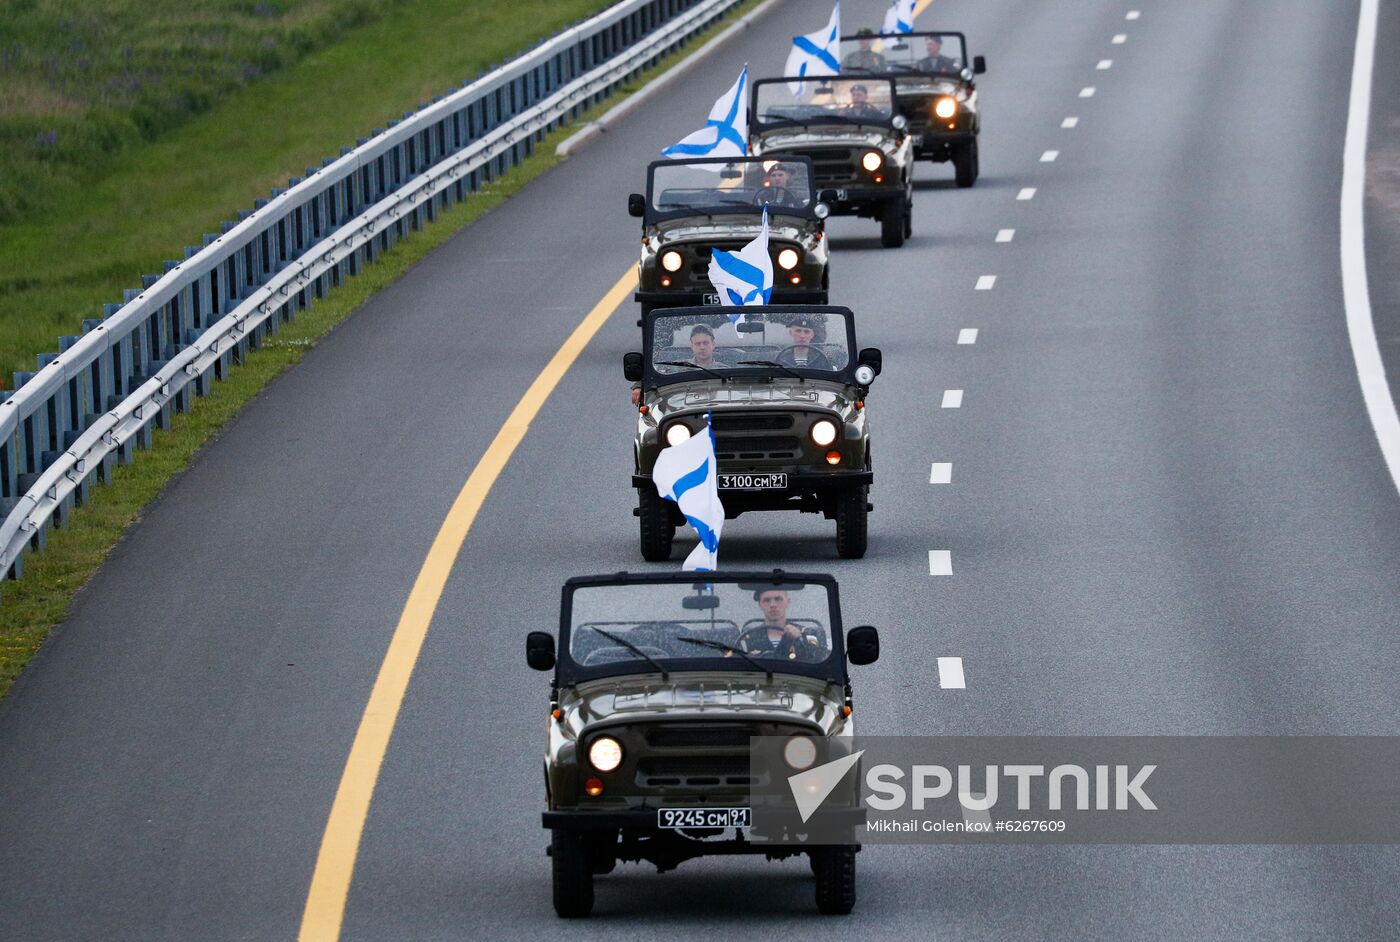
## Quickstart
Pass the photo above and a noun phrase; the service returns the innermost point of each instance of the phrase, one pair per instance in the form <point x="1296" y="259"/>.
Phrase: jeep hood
<point x="813" y="394"/>
<point x="846" y="135"/>
<point x="745" y="227"/>
<point x="710" y="695"/>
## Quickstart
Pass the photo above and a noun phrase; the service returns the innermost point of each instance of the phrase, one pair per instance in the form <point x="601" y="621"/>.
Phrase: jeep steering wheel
<point x="811" y="360"/>
<point x="760" y="634"/>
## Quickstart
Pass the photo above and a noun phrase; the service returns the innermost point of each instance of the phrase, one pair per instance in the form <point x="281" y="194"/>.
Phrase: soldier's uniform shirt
<point x="867" y="59"/>
<point x="938" y="64"/>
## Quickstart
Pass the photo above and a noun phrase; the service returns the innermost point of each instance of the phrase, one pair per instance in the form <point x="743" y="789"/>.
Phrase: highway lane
<point x="1166" y="515"/>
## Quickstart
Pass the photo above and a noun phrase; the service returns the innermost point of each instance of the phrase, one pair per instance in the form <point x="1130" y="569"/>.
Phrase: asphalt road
<point x="1168" y="515"/>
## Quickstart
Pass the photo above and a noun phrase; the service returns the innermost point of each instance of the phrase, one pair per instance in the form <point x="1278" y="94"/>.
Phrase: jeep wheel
<point x="573" y="874"/>
<point x="657" y="530"/>
<point x="852" y="522"/>
<point x="892" y="225"/>
<point x="965" y="163"/>
<point x="835" y="868"/>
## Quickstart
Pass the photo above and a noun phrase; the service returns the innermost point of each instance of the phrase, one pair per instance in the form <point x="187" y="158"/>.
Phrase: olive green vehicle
<point x="935" y="88"/>
<point x="783" y="392"/>
<point x="695" y="206"/>
<point x="862" y="157"/>
<point x="680" y="710"/>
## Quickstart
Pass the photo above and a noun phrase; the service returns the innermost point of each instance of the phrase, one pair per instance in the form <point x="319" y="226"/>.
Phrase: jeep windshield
<point x="929" y="54"/>
<point x="803" y="344"/>
<point x="744" y="625"/>
<point x="711" y="187"/>
<point x="822" y="101"/>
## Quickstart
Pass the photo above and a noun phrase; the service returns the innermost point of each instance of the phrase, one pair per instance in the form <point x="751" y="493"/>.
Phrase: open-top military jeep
<point x="784" y="390"/>
<point x="692" y="207"/>
<point x="680" y="710"/>
<point x="861" y="155"/>
<point x="935" y="88"/>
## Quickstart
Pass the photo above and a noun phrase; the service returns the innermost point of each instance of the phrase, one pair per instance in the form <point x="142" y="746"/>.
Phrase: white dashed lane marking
<point x="952" y="398"/>
<point x="985" y="282"/>
<point x="1026" y="193"/>
<point x="1049" y="156"/>
<point x="941" y="473"/>
<point x="1133" y="14"/>
<point x="1070" y="122"/>
<point x="1006" y="235"/>
<point x="950" y="673"/>
<point x="1086" y="92"/>
<point x="940" y="562"/>
<point x="1104" y="65"/>
<point x="1120" y="39"/>
<point x="967" y="335"/>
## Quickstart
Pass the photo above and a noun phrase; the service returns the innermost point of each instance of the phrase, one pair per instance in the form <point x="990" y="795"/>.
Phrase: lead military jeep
<point x="692" y="207"/>
<point x="936" y="91"/>
<point x="679" y="727"/>
<point x="861" y="156"/>
<point x="783" y="390"/>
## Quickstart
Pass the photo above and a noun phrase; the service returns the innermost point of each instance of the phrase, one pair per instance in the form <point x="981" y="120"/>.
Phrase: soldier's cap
<point x="859" y="88"/>
<point x="785" y="168"/>
<point x="865" y="31"/>
<point x="803" y="320"/>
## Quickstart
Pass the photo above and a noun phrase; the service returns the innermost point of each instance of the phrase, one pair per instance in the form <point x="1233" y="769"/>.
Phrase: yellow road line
<point x="335" y="863"/>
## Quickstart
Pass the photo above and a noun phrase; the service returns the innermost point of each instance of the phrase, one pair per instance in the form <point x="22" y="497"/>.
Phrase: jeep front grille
<point x="680" y="736"/>
<point x="730" y="447"/>
<point x="752" y="422"/>
<point x="834" y="166"/>
<point x="694" y="771"/>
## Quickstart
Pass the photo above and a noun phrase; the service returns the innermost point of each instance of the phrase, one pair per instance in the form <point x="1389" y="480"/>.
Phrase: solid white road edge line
<point x="950" y="673"/>
<point x="967" y="335"/>
<point x="952" y="398"/>
<point x="941" y="472"/>
<point x="1361" y="327"/>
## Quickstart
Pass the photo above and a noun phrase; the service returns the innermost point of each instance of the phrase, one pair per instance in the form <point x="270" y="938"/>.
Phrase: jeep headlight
<point x="788" y="259"/>
<point x="677" y="432"/>
<point x="800" y="752"/>
<point x="671" y="260"/>
<point x="945" y="107"/>
<point x="872" y="160"/>
<point x="823" y="431"/>
<point x="605" y="754"/>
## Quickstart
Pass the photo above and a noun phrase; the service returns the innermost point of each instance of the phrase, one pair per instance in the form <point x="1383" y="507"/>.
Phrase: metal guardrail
<point x="94" y="402"/>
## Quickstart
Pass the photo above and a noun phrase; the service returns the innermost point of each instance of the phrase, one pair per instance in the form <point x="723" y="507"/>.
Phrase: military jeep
<point x="680" y="712"/>
<point x="692" y="207"/>
<point x="783" y="390"/>
<point x="936" y="91"/>
<point x="861" y="155"/>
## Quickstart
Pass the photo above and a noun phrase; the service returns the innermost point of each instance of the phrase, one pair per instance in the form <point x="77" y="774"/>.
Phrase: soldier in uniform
<point x="801" y="353"/>
<point x="860" y="106"/>
<point x="783" y="639"/>
<point x="935" y="61"/>
<point x="864" y="59"/>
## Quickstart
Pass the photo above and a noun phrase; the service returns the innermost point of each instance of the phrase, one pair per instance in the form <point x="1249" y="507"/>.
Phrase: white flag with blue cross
<point x="816" y="53"/>
<point x="726" y="134"/>
<point x="686" y="473"/>
<point x="745" y="277"/>
<point x="899" y="18"/>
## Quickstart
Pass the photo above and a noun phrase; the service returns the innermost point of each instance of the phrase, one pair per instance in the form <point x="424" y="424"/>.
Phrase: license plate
<point x="710" y="299"/>
<point x="754" y="482"/>
<point x="676" y="818"/>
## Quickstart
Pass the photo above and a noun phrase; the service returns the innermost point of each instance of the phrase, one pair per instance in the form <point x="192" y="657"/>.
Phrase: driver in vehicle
<point x="859" y="106"/>
<point x="865" y="58"/>
<point x="801" y="352"/>
<point x="935" y="61"/>
<point x="778" y="637"/>
<point x="777" y="188"/>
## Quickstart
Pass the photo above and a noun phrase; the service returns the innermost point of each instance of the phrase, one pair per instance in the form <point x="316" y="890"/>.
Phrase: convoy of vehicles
<point x="686" y="707"/>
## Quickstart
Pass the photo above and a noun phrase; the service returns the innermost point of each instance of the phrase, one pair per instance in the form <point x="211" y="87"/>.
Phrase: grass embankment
<point x="108" y="206"/>
<point x="31" y="607"/>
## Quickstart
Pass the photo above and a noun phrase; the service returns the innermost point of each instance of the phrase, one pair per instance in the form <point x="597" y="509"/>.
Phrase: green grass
<point x="32" y="606"/>
<point x="60" y="261"/>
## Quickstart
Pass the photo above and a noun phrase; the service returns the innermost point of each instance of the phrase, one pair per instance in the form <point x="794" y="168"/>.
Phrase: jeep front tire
<point x="835" y="869"/>
<point x="654" y="522"/>
<point x="573" y="873"/>
<point x="852" y="522"/>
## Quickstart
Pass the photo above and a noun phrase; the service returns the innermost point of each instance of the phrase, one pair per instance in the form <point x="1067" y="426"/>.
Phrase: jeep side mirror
<point x="862" y="645"/>
<point x="827" y="196"/>
<point x="871" y="357"/>
<point x="632" y="367"/>
<point x="539" y="650"/>
<point x="979" y="64"/>
<point x="637" y="205"/>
